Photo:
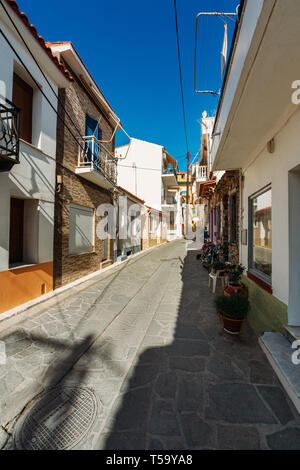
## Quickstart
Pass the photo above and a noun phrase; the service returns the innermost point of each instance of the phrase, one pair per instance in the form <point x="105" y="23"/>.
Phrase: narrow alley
<point x="151" y="354"/>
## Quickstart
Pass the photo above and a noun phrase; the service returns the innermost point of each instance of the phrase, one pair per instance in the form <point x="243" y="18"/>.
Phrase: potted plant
<point x="235" y="286"/>
<point x="233" y="310"/>
<point x="217" y="266"/>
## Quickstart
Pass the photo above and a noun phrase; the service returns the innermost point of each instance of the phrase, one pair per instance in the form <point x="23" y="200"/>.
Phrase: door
<point x="294" y="251"/>
<point x="90" y="130"/>
<point x="16" y="230"/>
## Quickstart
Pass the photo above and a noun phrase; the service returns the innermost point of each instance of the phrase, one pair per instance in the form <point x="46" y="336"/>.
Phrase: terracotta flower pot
<point x="240" y="289"/>
<point x="231" y="325"/>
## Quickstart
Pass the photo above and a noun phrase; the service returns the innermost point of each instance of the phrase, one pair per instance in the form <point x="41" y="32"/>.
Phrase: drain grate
<point x="59" y="420"/>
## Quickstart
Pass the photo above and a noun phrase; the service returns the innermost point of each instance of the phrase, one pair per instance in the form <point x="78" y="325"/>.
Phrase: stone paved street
<point x="146" y="338"/>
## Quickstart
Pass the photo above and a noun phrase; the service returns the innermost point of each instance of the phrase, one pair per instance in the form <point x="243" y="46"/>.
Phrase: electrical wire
<point x="180" y="76"/>
<point x="51" y="87"/>
<point x="140" y="167"/>
<point x="48" y="100"/>
<point x="38" y="65"/>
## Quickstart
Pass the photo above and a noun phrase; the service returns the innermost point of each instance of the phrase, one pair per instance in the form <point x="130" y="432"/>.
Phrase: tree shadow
<point x="165" y="402"/>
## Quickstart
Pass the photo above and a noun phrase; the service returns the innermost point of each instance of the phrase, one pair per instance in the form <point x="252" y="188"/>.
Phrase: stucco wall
<point x="145" y="181"/>
<point x="274" y="168"/>
<point x="34" y="176"/>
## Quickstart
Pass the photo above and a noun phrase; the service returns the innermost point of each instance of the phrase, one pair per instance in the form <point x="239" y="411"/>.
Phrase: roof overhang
<point x="131" y="196"/>
<point x="169" y="179"/>
<point x="206" y="188"/>
<point x="170" y="160"/>
<point x="67" y="51"/>
<point x="36" y="43"/>
<point x="256" y="101"/>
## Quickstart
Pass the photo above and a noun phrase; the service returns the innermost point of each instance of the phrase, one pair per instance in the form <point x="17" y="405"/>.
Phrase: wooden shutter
<point x="23" y="97"/>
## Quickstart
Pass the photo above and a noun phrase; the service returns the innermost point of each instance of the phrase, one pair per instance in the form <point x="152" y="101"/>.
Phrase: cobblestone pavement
<point x="164" y="376"/>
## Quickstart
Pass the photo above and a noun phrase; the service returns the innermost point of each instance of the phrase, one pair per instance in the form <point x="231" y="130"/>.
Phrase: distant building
<point x="148" y="171"/>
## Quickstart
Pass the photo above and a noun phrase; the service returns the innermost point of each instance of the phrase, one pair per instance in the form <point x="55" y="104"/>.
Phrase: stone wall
<point x="225" y="189"/>
<point x="75" y="189"/>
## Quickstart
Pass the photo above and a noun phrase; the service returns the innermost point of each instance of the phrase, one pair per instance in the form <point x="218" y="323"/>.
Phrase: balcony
<point x="9" y="134"/>
<point x="168" y="201"/>
<point x="95" y="163"/>
<point x="169" y="176"/>
<point x="201" y="173"/>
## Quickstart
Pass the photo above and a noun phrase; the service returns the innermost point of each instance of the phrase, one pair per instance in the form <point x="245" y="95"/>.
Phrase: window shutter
<point x="23" y="97"/>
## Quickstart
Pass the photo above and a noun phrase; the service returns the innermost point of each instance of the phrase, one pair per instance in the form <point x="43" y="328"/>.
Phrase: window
<point x="172" y="219"/>
<point x="153" y="224"/>
<point x="81" y="231"/>
<point x="23" y="98"/>
<point x="260" y="234"/>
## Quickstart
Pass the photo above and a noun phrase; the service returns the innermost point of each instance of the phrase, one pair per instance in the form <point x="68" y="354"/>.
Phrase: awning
<point x="206" y="188"/>
<point x="171" y="160"/>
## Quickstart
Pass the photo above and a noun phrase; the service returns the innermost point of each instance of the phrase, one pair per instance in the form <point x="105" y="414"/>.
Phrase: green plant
<point x="237" y="306"/>
<point x="235" y="272"/>
<point x="217" y="265"/>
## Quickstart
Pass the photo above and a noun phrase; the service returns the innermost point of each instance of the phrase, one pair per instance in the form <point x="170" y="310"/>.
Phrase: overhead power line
<point x="38" y="65"/>
<point x="180" y="77"/>
<point x="184" y="116"/>
<point x="46" y="97"/>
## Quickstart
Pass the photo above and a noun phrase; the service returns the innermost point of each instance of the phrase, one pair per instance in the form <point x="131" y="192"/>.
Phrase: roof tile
<point x="13" y="4"/>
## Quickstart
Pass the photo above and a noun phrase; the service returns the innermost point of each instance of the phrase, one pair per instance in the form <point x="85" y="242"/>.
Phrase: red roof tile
<point x="13" y="4"/>
<point x="131" y="194"/>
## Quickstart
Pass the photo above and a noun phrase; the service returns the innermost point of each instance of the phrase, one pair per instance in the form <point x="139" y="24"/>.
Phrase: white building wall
<point x="251" y="17"/>
<point x="133" y="240"/>
<point x="34" y="176"/>
<point x="274" y="168"/>
<point x="144" y="180"/>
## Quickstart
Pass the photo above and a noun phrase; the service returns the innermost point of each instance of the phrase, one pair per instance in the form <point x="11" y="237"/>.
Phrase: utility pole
<point x="187" y="194"/>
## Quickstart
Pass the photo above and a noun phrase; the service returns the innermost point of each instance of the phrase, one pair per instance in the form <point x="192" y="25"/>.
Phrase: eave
<point x="261" y="103"/>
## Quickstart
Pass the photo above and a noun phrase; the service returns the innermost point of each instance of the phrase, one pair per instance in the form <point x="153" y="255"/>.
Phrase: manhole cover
<point x="59" y="420"/>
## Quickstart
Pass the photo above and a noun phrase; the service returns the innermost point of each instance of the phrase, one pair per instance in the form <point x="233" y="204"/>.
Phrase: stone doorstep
<point x="279" y="353"/>
<point x="293" y="333"/>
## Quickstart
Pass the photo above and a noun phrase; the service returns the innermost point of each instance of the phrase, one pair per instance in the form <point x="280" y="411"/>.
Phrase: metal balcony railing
<point x="9" y="134"/>
<point x="93" y="154"/>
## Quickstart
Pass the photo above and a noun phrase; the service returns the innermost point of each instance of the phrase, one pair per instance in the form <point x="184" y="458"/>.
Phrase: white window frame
<point x="72" y="250"/>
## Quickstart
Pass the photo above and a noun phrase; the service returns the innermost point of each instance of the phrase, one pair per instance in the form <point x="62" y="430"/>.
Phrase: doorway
<point x="294" y="250"/>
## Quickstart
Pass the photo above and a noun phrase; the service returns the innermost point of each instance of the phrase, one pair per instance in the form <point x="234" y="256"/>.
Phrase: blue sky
<point x="130" y="49"/>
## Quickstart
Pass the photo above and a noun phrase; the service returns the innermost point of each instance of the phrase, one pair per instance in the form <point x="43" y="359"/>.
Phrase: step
<point x="293" y="333"/>
<point x="279" y="353"/>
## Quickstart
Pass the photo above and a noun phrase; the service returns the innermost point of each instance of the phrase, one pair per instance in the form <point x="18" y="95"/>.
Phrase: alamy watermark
<point x="296" y="354"/>
<point x="296" y="94"/>
<point x="122" y="221"/>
